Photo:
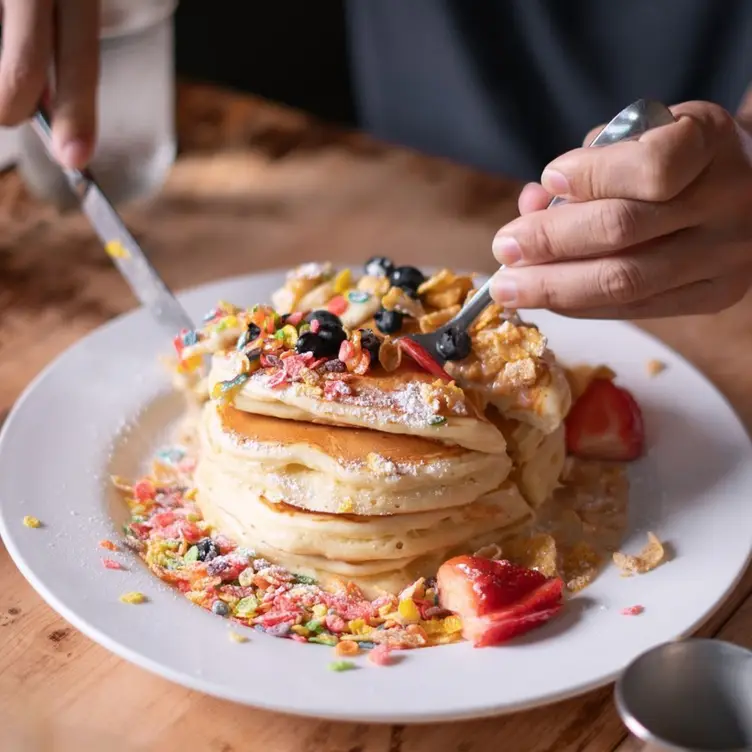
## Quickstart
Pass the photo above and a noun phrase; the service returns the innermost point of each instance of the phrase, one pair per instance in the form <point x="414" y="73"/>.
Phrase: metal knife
<point x="121" y="246"/>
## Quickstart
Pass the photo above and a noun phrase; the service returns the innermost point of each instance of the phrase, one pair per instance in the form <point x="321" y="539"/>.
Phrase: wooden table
<point x="257" y="186"/>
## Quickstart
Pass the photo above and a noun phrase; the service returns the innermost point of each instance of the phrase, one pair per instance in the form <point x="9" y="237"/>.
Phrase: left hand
<point x="661" y="226"/>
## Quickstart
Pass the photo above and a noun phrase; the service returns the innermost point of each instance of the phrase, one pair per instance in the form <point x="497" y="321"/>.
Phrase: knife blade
<point x="125" y="252"/>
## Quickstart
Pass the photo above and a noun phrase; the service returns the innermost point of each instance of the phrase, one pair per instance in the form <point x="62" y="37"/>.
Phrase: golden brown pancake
<point x="335" y="469"/>
<point x="408" y="401"/>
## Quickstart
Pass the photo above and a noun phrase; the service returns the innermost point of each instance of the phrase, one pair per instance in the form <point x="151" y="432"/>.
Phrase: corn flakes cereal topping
<point x="648" y="559"/>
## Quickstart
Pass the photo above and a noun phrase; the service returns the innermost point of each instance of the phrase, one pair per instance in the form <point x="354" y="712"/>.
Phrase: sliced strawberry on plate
<point x="605" y="423"/>
<point x="496" y="600"/>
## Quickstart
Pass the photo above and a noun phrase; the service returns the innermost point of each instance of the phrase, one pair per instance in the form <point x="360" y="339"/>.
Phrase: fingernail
<point x="74" y="154"/>
<point x="555" y="182"/>
<point x="503" y="289"/>
<point x="506" y="250"/>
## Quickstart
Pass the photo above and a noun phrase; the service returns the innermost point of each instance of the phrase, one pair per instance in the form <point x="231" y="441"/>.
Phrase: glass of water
<point x="136" y="141"/>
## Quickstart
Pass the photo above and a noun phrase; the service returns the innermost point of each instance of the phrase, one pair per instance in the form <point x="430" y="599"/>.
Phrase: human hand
<point x="36" y="35"/>
<point x="661" y="226"/>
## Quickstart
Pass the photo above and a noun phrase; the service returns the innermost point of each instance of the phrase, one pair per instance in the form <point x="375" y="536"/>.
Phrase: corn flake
<point x="390" y="355"/>
<point x="432" y="321"/>
<point x="580" y="566"/>
<point x="648" y="559"/>
<point x="535" y="552"/>
<point x="398" y="300"/>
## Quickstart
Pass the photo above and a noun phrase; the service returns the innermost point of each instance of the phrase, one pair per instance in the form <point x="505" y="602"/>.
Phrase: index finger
<point x="656" y="167"/>
<point x="25" y="58"/>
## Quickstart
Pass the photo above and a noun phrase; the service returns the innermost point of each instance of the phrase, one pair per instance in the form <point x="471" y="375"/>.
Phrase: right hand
<point x="36" y="35"/>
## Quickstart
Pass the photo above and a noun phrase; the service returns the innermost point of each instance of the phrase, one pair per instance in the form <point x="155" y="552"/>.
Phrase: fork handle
<point x="470" y="311"/>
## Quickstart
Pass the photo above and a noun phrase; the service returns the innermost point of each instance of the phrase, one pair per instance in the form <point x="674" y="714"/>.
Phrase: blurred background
<point x="290" y="52"/>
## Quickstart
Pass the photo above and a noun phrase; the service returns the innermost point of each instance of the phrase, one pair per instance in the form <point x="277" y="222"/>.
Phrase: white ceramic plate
<point x="101" y="406"/>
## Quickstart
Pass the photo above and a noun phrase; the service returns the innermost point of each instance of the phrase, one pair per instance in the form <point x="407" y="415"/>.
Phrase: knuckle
<point x="548" y="294"/>
<point x="618" y="224"/>
<point x="21" y="85"/>
<point x="544" y="247"/>
<point x="620" y="280"/>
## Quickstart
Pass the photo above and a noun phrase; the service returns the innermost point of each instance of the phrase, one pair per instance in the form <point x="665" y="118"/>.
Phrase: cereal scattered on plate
<point x="342" y="666"/>
<point x="30" y="521"/>
<point x="632" y="610"/>
<point x="648" y="559"/>
<point x="133" y="598"/>
<point x="655" y="367"/>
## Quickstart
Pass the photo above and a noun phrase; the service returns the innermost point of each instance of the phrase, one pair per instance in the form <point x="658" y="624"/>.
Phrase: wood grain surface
<point x="255" y="187"/>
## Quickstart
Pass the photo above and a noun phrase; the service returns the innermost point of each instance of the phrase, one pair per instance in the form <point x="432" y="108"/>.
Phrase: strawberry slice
<point x="605" y="423"/>
<point x="496" y="600"/>
<point x="422" y="357"/>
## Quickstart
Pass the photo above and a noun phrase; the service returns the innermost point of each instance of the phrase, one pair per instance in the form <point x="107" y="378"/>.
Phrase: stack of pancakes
<point x="334" y="500"/>
<point x="379" y="481"/>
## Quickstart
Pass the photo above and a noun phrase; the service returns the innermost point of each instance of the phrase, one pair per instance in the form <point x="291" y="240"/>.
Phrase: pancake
<point x="407" y="401"/>
<point x="538" y="458"/>
<point x="539" y="476"/>
<point x="352" y="538"/>
<point x="261" y="526"/>
<point x="333" y="469"/>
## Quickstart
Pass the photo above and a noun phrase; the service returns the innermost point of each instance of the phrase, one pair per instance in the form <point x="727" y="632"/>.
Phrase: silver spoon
<point x="689" y="696"/>
<point x="630" y="123"/>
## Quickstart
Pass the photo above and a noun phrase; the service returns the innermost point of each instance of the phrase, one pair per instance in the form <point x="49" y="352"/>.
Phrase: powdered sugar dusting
<point x="408" y="405"/>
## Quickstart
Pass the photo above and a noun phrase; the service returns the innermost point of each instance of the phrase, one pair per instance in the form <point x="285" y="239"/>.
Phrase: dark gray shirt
<point x="507" y="85"/>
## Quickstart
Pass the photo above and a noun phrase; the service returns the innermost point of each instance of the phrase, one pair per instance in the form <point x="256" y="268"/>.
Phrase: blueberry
<point x="371" y="343"/>
<point x="407" y="277"/>
<point x="207" y="549"/>
<point x="388" y="322"/>
<point x="323" y="344"/>
<point x="310" y="342"/>
<point x="454" y="344"/>
<point x="379" y="266"/>
<point x="323" y="317"/>
<point x="334" y="335"/>
<point x="220" y="608"/>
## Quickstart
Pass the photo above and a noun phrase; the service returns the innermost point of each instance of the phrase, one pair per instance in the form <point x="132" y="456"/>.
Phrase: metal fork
<point x="630" y="123"/>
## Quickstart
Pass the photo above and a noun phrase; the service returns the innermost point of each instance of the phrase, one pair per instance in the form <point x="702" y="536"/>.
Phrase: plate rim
<point x="201" y="684"/>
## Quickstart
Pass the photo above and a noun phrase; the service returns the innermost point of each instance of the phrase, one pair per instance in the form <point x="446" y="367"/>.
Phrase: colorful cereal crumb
<point x="655" y="367"/>
<point x="342" y="666"/>
<point x="108" y="545"/>
<point x="115" y="249"/>
<point x="112" y="564"/>
<point x="408" y="611"/>
<point x="30" y="521"/>
<point x="632" y="610"/>
<point x="237" y="637"/>
<point x="381" y="655"/>
<point x="347" y="647"/>
<point x="168" y="532"/>
<point x="144" y="490"/>
<point x="133" y="598"/>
